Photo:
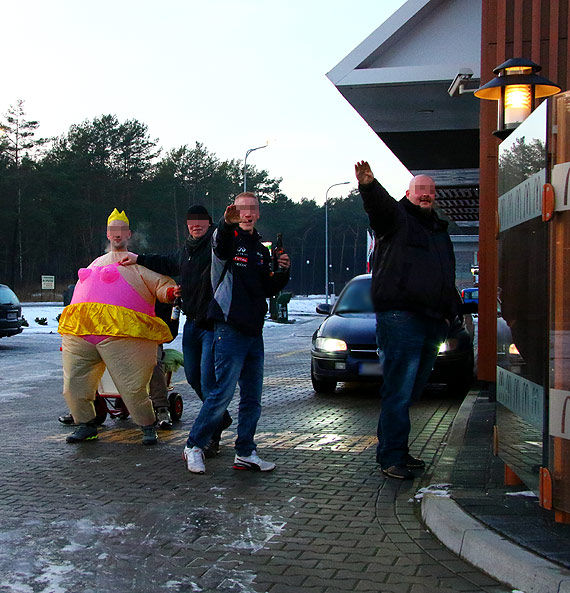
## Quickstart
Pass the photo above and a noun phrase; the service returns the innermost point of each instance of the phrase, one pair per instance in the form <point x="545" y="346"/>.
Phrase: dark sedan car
<point x="10" y="313"/>
<point x="344" y="347"/>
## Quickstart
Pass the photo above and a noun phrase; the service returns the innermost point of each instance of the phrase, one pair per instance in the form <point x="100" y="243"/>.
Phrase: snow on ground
<point x="298" y="306"/>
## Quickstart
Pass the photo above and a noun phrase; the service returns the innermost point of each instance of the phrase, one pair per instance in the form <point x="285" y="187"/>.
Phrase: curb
<point x="479" y="545"/>
<point x="499" y="558"/>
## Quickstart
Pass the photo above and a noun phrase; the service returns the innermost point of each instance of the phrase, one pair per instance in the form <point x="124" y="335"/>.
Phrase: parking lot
<point x="116" y="516"/>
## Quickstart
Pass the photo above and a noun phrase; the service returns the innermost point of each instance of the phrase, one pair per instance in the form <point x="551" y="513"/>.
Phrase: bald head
<point x="421" y="191"/>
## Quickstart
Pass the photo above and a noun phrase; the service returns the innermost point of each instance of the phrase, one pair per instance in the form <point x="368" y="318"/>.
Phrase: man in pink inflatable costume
<point x="111" y="323"/>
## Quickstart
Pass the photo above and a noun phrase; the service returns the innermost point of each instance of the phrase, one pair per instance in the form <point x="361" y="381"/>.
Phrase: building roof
<point x="397" y="79"/>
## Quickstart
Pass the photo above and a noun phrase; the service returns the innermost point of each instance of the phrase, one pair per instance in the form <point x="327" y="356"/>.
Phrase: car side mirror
<point x="471" y="307"/>
<point x="324" y="309"/>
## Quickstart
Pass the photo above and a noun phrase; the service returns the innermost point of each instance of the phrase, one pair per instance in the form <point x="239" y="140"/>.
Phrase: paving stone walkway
<point x="114" y="516"/>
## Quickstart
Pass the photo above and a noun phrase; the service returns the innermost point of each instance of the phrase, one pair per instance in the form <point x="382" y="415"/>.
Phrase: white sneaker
<point x="194" y="458"/>
<point x="253" y="462"/>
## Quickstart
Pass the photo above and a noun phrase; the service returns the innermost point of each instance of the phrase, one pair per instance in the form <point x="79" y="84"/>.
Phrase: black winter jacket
<point x="414" y="263"/>
<point x="242" y="279"/>
<point x="192" y="265"/>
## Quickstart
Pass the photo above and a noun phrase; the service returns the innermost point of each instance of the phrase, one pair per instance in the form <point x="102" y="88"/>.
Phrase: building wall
<point x="532" y="29"/>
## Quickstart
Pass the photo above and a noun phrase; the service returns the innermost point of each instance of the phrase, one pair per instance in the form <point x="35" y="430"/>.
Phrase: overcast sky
<point x="231" y="74"/>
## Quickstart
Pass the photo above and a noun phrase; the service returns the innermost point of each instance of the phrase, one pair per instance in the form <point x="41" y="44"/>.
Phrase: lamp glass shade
<point x="518" y="104"/>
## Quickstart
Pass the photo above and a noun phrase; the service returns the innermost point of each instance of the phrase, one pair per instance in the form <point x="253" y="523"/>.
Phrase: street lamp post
<point x="327" y="238"/>
<point x="245" y="165"/>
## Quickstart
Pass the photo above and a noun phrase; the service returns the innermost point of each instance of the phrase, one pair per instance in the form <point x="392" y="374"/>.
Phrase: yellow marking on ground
<point x="290" y="353"/>
<point x="270" y="440"/>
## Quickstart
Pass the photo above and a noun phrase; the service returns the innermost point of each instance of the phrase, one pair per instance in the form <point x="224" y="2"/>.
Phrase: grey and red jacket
<point x="414" y="263"/>
<point x="242" y="279"/>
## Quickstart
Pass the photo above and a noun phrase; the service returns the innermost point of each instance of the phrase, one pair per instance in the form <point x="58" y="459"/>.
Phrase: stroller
<point x="108" y="400"/>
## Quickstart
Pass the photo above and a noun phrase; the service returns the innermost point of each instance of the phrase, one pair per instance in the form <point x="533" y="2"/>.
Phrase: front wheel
<point x="100" y="410"/>
<point x="322" y="385"/>
<point x="175" y="406"/>
<point x="460" y="382"/>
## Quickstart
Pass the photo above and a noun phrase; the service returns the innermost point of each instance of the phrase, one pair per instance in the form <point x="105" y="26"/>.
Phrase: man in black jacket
<point x="242" y="281"/>
<point x="414" y="296"/>
<point x="192" y="265"/>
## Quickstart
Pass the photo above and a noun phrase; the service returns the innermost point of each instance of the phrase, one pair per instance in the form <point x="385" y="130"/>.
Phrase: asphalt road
<point x="113" y="515"/>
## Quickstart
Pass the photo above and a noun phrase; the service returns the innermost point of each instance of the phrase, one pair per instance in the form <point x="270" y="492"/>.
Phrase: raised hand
<point x="232" y="214"/>
<point x="363" y="173"/>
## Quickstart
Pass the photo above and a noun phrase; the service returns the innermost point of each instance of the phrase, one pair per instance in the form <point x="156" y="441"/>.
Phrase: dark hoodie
<point x="192" y="265"/>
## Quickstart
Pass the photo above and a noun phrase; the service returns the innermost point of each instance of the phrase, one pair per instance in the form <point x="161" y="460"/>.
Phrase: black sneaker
<point x="149" y="435"/>
<point x="399" y="472"/>
<point x="66" y="419"/>
<point x="226" y="421"/>
<point x="85" y="431"/>
<point x="414" y="463"/>
<point x="163" y="419"/>
<point x="212" y="448"/>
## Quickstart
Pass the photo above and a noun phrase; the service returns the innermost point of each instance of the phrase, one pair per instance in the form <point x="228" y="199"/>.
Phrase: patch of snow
<point x="528" y="493"/>
<point x="246" y="587"/>
<point x="50" y="311"/>
<point x="256" y="537"/>
<point x="73" y="547"/>
<point x="435" y="489"/>
<point x="298" y="305"/>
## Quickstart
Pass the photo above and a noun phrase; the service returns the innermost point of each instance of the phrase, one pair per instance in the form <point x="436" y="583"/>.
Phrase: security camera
<point x="457" y="86"/>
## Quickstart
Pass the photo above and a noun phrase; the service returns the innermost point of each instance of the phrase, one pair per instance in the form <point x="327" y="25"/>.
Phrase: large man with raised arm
<point x="242" y="281"/>
<point x="414" y="296"/>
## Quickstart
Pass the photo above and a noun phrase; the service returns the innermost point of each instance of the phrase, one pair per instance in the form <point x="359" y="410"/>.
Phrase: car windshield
<point x="355" y="298"/>
<point x="7" y="297"/>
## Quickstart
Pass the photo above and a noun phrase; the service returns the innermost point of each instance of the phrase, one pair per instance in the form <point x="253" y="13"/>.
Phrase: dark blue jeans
<point x="197" y="348"/>
<point x="238" y="359"/>
<point x="410" y="343"/>
<point x="198" y="358"/>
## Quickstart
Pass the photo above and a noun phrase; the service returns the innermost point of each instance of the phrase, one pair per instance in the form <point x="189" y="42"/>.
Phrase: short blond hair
<point x="246" y="194"/>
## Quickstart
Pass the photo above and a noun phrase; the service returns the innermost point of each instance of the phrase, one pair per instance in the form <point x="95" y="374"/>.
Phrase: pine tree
<point x="18" y="146"/>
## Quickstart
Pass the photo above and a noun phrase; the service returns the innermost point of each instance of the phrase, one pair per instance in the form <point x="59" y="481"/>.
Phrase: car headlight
<point x="330" y="345"/>
<point x="513" y="349"/>
<point x="449" y="345"/>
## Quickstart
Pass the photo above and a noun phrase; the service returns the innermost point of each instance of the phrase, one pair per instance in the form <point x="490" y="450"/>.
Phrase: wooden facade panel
<point x="534" y="29"/>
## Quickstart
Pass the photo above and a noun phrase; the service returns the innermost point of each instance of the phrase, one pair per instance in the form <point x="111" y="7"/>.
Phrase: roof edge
<point x="403" y="17"/>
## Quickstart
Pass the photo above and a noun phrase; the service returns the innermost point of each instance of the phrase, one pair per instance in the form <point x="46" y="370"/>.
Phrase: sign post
<point x="48" y="283"/>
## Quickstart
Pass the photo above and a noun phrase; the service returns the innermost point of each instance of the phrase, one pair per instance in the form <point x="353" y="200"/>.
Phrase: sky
<point x="231" y="74"/>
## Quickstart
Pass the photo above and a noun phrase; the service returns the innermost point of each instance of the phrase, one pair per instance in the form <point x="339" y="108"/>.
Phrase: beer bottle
<point x="175" y="315"/>
<point x="277" y="251"/>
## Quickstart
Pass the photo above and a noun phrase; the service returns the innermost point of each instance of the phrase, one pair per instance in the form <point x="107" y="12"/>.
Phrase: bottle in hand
<point x="278" y="251"/>
<point x="175" y="315"/>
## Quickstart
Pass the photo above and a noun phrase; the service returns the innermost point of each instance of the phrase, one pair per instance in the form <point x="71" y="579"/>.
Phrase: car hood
<point x="353" y="328"/>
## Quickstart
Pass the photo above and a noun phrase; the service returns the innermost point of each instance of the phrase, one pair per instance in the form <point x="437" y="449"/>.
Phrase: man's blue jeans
<point x="238" y="358"/>
<point x="410" y="343"/>
<point x="198" y="358"/>
<point x="197" y="348"/>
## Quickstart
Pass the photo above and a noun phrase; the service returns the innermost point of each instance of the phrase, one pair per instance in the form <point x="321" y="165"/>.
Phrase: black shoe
<point x="226" y="421"/>
<point x="212" y="448"/>
<point x="414" y="463"/>
<point x="163" y="419"/>
<point x="66" y="419"/>
<point x="85" y="431"/>
<point x="149" y="435"/>
<point x="399" y="472"/>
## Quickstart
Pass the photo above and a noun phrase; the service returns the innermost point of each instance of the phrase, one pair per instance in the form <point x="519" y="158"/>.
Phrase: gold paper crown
<point x="116" y="215"/>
